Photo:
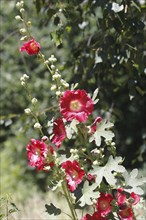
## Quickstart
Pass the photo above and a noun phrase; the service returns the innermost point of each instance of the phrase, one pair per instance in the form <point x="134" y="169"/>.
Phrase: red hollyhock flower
<point x="93" y="126"/>
<point x="76" y="104"/>
<point x="74" y="174"/>
<point x="59" y="132"/>
<point x="103" y="204"/>
<point x="126" y="213"/>
<point x="36" y="152"/>
<point x="31" y="47"/>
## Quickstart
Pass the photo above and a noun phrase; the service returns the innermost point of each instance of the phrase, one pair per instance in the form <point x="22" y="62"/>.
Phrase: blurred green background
<point x="96" y="46"/>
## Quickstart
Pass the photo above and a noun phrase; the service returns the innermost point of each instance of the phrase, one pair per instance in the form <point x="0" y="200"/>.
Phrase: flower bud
<point x="46" y="62"/>
<point x="76" y="156"/>
<point x="18" y="18"/>
<point x="52" y="67"/>
<point x="29" y="23"/>
<point x="52" y="59"/>
<point x="25" y="76"/>
<point x="34" y="101"/>
<point x="53" y="87"/>
<point x="27" y="111"/>
<point x="18" y="5"/>
<point x="58" y="93"/>
<point x="22" y="30"/>
<point x="22" y="10"/>
<point x="21" y="3"/>
<point x="56" y="76"/>
<point x="24" y="38"/>
<point x="95" y="162"/>
<point x="23" y="83"/>
<point x="37" y="125"/>
<point x="45" y="138"/>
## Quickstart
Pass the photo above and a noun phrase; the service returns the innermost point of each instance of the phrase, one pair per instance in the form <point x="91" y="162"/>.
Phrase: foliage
<point x="104" y="42"/>
<point x="96" y="46"/>
<point x="93" y="164"/>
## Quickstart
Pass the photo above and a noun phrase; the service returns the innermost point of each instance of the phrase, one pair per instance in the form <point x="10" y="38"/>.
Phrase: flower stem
<point x="65" y="190"/>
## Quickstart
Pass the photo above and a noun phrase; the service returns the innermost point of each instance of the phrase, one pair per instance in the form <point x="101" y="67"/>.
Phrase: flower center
<point x="75" y="105"/>
<point x="33" y="46"/>
<point x="125" y="213"/>
<point x="37" y="152"/>
<point x="104" y="205"/>
<point x="74" y="175"/>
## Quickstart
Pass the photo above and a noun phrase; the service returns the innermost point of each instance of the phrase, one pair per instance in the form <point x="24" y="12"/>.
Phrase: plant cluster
<point x="76" y="148"/>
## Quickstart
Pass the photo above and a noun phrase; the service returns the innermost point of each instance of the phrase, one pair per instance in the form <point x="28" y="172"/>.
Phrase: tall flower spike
<point x="76" y="104"/>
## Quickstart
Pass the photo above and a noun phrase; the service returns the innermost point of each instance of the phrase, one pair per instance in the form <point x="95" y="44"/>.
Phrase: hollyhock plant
<point x="59" y="132"/>
<point x="31" y="47"/>
<point x="74" y="174"/>
<point x="76" y="104"/>
<point x="103" y="204"/>
<point x="37" y="152"/>
<point x="85" y="167"/>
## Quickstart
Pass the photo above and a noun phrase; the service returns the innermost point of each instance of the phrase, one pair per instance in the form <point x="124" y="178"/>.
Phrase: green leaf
<point x="102" y="131"/>
<point x="88" y="194"/>
<point x="134" y="182"/>
<point x="52" y="210"/>
<point x="108" y="171"/>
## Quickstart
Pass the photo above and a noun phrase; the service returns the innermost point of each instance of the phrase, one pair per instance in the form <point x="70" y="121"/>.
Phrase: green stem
<point x="25" y="24"/>
<point x="74" y="216"/>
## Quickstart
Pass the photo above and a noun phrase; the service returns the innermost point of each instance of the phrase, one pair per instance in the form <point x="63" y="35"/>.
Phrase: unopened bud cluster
<point x="24" y="79"/>
<point x="59" y="84"/>
<point x="27" y="24"/>
<point x="74" y="153"/>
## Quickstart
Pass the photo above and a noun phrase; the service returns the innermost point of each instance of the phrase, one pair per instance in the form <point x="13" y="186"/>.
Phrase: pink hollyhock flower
<point x="120" y="196"/>
<point x="37" y="152"/>
<point x="74" y="174"/>
<point x="59" y="132"/>
<point x="126" y="214"/>
<point x="93" y="126"/>
<point x="134" y="198"/>
<point x="31" y="47"/>
<point x="76" y="104"/>
<point x="103" y="204"/>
